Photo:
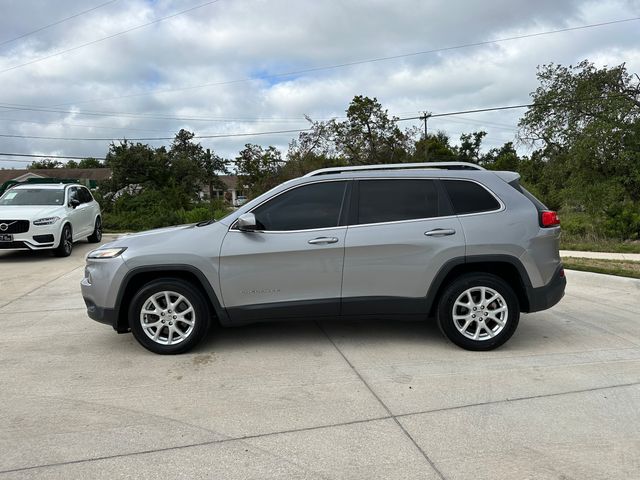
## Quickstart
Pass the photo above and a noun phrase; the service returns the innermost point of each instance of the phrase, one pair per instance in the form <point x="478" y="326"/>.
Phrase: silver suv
<point x="467" y="246"/>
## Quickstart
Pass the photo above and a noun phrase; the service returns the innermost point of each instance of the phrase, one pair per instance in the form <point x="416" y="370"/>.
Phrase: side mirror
<point x="74" y="202"/>
<point x="247" y="222"/>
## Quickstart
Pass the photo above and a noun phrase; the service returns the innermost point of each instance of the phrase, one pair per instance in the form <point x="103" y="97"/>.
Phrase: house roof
<point x="75" y="173"/>
<point x="231" y="181"/>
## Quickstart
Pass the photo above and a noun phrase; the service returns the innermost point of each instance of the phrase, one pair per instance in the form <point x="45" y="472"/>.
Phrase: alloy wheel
<point x="480" y="313"/>
<point x="167" y="318"/>
<point x="67" y="240"/>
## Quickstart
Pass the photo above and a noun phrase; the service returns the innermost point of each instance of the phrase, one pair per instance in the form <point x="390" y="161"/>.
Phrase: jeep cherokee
<point x="452" y="241"/>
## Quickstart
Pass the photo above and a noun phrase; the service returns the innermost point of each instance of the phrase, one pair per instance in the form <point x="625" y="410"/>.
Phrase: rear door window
<point x="470" y="197"/>
<point x="395" y="200"/>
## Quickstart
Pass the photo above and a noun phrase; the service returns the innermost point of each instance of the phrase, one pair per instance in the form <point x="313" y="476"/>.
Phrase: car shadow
<point x="529" y="338"/>
<point x="25" y="255"/>
<point x="311" y="332"/>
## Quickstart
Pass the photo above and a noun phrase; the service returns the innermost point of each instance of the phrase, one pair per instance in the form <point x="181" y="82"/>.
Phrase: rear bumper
<point x="546" y="297"/>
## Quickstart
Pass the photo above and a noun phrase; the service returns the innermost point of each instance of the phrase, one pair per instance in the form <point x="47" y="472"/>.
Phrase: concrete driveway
<point x="381" y="400"/>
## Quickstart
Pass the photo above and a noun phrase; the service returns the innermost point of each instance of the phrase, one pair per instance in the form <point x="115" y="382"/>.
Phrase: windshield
<point x="33" y="196"/>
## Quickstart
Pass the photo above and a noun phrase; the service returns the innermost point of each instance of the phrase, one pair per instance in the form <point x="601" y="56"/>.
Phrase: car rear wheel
<point x="169" y="316"/>
<point x="478" y="311"/>
<point x="65" y="247"/>
<point x="96" y="236"/>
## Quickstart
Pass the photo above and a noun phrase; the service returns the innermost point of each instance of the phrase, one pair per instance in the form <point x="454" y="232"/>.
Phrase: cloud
<point x="238" y="44"/>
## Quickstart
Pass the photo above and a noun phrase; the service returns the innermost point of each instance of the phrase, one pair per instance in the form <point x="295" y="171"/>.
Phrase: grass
<point x="620" y="268"/>
<point x="584" y="244"/>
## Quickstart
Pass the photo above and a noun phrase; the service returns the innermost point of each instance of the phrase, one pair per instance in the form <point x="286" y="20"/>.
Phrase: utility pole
<point x="425" y="117"/>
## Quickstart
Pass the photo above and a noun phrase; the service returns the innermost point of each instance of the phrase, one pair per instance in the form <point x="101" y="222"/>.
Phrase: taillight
<point x="549" y="219"/>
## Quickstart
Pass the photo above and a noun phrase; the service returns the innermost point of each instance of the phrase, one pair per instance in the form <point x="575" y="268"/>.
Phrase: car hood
<point x="170" y="239"/>
<point x="29" y="212"/>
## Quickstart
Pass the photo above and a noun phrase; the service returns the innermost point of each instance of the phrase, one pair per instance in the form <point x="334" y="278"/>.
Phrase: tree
<point x="503" y="158"/>
<point x="90" y="162"/>
<point x="71" y="164"/>
<point x="137" y="165"/>
<point x="212" y="165"/>
<point x="469" y="149"/>
<point x="585" y="123"/>
<point x="185" y="159"/>
<point x="44" y="164"/>
<point x="258" y="168"/>
<point x="367" y="136"/>
<point x="193" y="167"/>
<point x="439" y="149"/>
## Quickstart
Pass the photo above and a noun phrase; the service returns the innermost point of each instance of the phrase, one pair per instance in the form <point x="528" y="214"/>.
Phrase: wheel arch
<point x="138" y="277"/>
<point x="507" y="267"/>
<point x="65" y="221"/>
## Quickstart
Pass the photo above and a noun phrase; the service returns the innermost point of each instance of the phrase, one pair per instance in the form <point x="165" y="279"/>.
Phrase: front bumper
<point x="36" y="238"/>
<point x="100" y="287"/>
<point x="108" y="316"/>
<point x="547" y="296"/>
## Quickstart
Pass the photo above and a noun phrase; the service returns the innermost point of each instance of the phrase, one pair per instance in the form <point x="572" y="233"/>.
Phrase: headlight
<point x="46" y="221"/>
<point x="107" y="252"/>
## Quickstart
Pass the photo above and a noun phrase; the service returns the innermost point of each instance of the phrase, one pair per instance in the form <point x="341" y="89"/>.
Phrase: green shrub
<point x="155" y="209"/>
<point x="623" y="221"/>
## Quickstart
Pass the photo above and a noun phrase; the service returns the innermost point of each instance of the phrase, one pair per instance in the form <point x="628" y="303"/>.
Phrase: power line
<point x="149" y="139"/>
<point x="273" y="132"/>
<point x="476" y="122"/>
<point x="356" y="62"/>
<point x="93" y="42"/>
<point x="201" y="119"/>
<point x="276" y="132"/>
<point x="30" y="108"/>
<point x="245" y="134"/>
<point x="31" y="155"/>
<point x="79" y="125"/>
<point x="463" y="112"/>
<point x="56" y="23"/>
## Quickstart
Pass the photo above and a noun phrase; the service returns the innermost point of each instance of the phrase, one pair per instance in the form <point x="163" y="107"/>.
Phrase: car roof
<point x="45" y="186"/>
<point x="407" y="173"/>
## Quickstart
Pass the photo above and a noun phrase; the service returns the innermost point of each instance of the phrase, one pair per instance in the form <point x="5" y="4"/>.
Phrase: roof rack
<point x="397" y="166"/>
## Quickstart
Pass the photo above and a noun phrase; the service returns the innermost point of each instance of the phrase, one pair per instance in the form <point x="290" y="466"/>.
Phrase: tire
<point x="96" y="236"/>
<point x="494" y="319"/>
<point x="65" y="247"/>
<point x="179" y="325"/>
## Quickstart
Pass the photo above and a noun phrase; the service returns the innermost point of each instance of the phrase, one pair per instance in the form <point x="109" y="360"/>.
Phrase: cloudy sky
<point x="146" y="68"/>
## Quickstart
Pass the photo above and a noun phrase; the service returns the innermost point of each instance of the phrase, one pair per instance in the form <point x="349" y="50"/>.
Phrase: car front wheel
<point x="478" y="311"/>
<point x="169" y="316"/>
<point x="96" y="236"/>
<point x="65" y="246"/>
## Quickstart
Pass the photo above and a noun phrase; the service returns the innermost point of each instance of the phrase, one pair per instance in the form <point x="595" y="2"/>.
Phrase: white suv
<point x="48" y="216"/>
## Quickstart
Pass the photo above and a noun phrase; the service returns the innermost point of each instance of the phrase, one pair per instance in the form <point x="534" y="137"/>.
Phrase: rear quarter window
<point x="541" y="207"/>
<point x="469" y="197"/>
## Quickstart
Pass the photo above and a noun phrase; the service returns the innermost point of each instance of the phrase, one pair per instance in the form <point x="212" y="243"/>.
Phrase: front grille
<point x="12" y="245"/>
<point x="14" y="226"/>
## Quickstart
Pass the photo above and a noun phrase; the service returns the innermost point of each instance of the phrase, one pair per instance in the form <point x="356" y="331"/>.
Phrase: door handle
<point x="440" y="232"/>
<point x="323" y="240"/>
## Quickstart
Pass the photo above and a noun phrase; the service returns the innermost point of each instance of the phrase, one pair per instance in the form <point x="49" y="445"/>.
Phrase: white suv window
<point x="84" y="195"/>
